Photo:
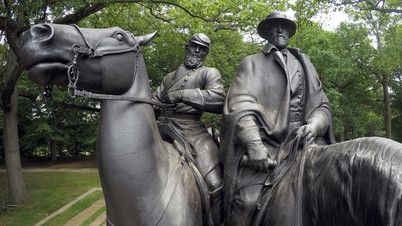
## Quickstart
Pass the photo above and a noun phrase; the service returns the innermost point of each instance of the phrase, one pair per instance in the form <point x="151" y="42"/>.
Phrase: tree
<point x="378" y="16"/>
<point x="383" y="6"/>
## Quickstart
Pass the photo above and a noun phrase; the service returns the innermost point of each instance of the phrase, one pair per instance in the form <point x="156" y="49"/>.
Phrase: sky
<point x="329" y="21"/>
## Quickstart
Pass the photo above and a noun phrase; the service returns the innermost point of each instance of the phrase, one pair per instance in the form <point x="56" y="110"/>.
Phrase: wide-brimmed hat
<point x="275" y="17"/>
<point x="200" y="39"/>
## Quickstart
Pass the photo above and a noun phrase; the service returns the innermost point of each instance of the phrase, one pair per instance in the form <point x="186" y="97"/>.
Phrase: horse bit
<point x="73" y="73"/>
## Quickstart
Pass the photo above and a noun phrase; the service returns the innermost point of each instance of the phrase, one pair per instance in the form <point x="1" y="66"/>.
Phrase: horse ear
<point x="145" y="39"/>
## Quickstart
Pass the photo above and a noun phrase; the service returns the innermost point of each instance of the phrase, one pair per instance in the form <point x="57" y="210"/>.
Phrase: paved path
<point x="101" y="220"/>
<point x="64" y="208"/>
<point x="81" y="217"/>
<point x="63" y="170"/>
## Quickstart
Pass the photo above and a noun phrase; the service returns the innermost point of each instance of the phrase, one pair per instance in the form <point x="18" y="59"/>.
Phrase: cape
<point x="261" y="89"/>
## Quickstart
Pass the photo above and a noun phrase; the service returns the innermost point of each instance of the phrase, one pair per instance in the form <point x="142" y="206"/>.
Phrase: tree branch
<point x="371" y="7"/>
<point x="81" y="13"/>
<point x="159" y="17"/>
<point x="171" y="4"/>
<point x="28" y="95"/>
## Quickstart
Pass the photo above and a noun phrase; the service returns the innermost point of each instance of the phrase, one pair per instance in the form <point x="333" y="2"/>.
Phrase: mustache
<point x="281" y="35"/>
<point x="194" y="54"/>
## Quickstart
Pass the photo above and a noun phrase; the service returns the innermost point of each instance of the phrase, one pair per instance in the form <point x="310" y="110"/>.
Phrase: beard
<point x="193" y="60"/>
<point x="279" y="41"/>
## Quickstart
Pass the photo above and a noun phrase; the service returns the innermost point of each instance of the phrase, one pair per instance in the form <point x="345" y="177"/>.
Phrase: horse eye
<point x="119" y="37"/>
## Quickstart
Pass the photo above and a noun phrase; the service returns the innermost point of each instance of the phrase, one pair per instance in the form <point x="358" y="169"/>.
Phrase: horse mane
<point x="358" y="181"/>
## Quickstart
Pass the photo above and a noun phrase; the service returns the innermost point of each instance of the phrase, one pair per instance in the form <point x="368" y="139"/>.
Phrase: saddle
<point x="185" y="150"/>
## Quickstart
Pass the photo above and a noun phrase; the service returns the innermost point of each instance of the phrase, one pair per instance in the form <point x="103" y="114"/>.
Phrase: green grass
<point x="94" y="216"/>
<point x="47" y="192"/>
<point x="75" y="209"/>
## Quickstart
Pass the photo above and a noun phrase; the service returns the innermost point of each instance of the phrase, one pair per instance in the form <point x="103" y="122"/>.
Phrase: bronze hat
<point x="200" y="39"/>
<point x="275" y="17"/>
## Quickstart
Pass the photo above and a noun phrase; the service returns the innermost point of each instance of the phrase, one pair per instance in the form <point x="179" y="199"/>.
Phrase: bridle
<point x="73" y="72"/>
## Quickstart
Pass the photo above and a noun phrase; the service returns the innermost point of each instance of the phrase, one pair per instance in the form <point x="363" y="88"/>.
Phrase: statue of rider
<point x="275" y="92"/>
<point x="195" y="89"/>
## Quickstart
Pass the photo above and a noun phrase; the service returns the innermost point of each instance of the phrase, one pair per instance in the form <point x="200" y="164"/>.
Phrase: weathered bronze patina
<point x="274" y="177"/>
<point x="145" y="181"/>
<point x="195" y="89"/>
<point x="275" y="116"/>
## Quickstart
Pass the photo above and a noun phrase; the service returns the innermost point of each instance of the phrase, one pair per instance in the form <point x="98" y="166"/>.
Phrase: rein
<point x="73" y="73"/>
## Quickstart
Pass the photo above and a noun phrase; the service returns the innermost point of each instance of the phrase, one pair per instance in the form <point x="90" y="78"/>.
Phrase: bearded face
<point x="278" y="35"/>
<point x="195" y="55"/>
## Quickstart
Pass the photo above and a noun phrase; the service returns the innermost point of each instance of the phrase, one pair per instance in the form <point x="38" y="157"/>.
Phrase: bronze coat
<point x="203" y="86"/>
<point x="204" y="92"/>
<point x="261" y="88"/>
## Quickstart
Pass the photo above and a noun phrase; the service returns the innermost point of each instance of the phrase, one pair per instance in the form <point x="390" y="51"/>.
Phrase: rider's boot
<point x="215" y="187"/>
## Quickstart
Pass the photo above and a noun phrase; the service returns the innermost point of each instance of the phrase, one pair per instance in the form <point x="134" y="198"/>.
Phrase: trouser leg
<point x="242" y="209"/>
<point x="215" y="187"/>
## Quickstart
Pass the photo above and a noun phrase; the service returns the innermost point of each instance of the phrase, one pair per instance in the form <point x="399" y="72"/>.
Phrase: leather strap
<point x="90" y="95"/>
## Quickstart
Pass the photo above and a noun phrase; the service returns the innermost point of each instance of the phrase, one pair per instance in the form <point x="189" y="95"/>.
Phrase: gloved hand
<point x="257" y="157"/>
<point x="175" y="96"/>
<point x="308" y="132"/>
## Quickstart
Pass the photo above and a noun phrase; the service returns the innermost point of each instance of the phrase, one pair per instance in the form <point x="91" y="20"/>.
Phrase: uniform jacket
<point x="203" y="93"/>
<point x="204" y="90"/>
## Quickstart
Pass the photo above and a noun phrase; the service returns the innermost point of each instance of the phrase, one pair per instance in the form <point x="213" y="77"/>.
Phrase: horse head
<point x="97" y="60"/>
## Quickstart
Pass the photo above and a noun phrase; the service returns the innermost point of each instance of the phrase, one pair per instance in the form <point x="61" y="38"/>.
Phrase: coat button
<point x="186" y="79"/>
<point x="183" y="85"/>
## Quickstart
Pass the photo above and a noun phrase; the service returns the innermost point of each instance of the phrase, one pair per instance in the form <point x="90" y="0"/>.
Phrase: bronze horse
<point x="145" y="181"/>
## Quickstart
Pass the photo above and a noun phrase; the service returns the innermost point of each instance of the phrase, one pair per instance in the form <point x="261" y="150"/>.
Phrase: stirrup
<point x="216" y="194"/>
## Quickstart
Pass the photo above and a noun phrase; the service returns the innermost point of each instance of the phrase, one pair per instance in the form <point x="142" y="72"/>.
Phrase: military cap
<point x="200" y="39"/>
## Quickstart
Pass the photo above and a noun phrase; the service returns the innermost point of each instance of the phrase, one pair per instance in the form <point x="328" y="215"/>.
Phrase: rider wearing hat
<point x="274" y="92"/>
<point x="195" y="89"/>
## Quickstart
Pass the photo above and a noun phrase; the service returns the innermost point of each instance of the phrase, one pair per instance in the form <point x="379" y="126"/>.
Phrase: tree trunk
<point x="16" y="184"/>
<point x="387" y="107"/>
<point x="53" y="150"/>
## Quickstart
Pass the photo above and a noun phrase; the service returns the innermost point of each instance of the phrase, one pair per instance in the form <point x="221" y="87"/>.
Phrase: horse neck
<point x="131" y="156"/>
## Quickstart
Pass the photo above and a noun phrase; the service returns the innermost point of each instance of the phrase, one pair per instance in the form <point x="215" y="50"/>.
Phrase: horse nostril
<point x="41" y="32"/>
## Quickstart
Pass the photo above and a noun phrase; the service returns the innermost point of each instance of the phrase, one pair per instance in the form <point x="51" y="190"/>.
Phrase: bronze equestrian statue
<point x="195" y="89"/>
<point x="146" y="182"/>
<point x="276" y="171"/>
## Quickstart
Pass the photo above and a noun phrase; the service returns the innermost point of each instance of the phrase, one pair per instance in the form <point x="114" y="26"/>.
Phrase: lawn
<point x="47" y="192"/>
